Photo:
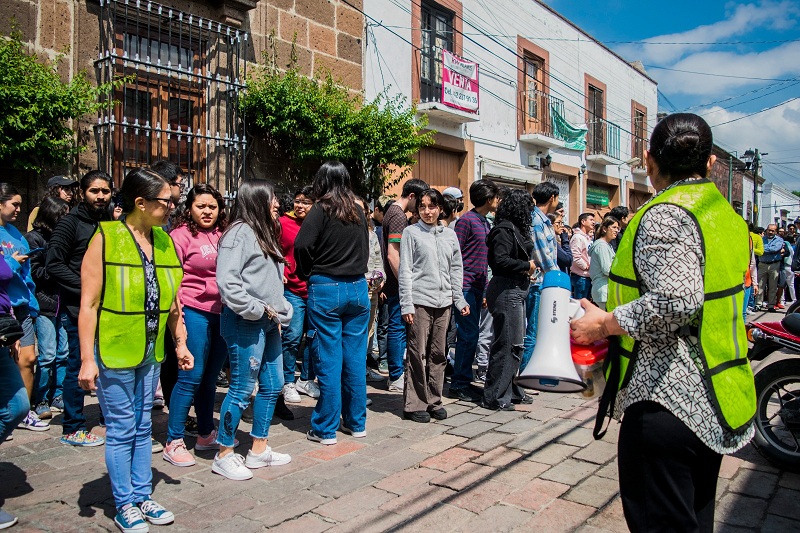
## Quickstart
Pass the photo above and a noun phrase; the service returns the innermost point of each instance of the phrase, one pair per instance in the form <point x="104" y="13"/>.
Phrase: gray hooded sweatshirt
<point x="248" y="281"/>
<point x="431" y="273"/>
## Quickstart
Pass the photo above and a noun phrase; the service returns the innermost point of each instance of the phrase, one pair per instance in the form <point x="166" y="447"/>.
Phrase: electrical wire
<point x="753" y="91"/>
<point x="757" y="112"/>
<point x="750" y="100"/>
<point x="716" y="75"/>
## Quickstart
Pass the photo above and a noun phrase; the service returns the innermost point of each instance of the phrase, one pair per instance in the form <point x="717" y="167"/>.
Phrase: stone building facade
<point x="184" y="107"/>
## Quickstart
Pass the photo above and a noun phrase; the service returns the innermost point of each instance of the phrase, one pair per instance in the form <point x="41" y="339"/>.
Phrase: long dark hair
<point x="7" y="192"/>
<point x="253" y="207"/>
<point x="140" y="183"/>
<point x="186" y="216"/>
<point x="334" y="192"/>
<point x="681" y="144"/>
<point x="50" y="212"/>
<point x="516" y="208"/>
<point x="55" y="192"/>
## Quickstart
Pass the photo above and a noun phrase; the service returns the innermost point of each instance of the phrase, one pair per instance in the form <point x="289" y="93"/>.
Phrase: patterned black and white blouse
<point x="669" y="258"/>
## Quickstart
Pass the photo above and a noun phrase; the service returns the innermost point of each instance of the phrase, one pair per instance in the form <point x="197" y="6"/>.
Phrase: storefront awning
<point x="510" y="172"/>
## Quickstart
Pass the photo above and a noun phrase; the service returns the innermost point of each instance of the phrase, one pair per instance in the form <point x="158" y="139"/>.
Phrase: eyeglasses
<point x="167" y="201"/>
<point x="304" y="202"/>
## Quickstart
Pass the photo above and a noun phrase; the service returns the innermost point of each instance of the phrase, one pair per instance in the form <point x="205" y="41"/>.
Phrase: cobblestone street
<point x="535" y="469"/>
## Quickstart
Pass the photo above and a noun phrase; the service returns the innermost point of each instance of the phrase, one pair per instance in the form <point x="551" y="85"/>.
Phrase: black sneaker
<point x="247" y="414"/>
<point x="465" y="395"/>
<point x="222" y="380"/>
<point x="417" y="416"/>
<point x="282" y="411"/>
<point x="527" y="399"/>
<point x="498" y="407"/>
<point x="439" y="413"/>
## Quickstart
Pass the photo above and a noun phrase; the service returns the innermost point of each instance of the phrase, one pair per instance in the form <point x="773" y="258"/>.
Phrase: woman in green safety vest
<point x="129" y="283"/>
<point x="674" y="300"/>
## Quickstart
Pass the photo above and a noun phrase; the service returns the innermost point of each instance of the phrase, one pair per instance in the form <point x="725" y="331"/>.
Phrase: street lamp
<point x="753" y="157"/>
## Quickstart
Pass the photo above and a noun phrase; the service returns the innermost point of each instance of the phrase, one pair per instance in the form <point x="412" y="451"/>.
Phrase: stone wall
<point x="325" y="35"/>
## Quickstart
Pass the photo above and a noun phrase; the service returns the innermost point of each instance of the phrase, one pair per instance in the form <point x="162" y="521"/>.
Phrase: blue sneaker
<point x="6" y="519"/>
<point x="155" y="514"/>
<point x="129" y="519"/>
<point x="43" y="411"/>
<point x="58" y="404"/>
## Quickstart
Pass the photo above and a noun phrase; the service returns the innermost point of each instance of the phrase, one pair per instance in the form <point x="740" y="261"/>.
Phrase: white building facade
<point x="546" y="91"/>
<point x="777" y="206"/>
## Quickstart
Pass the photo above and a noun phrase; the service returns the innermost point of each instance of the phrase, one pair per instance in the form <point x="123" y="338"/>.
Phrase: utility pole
<point x="755" y="157"/>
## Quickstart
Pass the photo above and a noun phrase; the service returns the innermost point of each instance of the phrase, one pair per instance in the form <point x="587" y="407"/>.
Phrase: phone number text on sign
<point x="459" y="83"/>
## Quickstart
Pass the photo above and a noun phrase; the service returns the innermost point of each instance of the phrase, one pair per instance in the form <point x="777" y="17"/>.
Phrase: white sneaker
<point x="309" y="388"/>
<point x="231" y="466"/>
<point x="290" y="394"/>
<point x="357" y="434"/>
<point x="266" y="458"/>
<point x="398" y="385"/>
<point x="373" y="376"/>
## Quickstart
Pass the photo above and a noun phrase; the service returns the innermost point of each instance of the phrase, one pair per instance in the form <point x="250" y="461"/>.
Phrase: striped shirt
<point x="545" y="253"/>
<point x="472" y="229"/>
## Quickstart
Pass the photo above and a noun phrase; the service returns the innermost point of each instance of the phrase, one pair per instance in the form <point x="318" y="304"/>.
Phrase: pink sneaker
<point x="176" y="453"/>
<point x="209" y="442"/>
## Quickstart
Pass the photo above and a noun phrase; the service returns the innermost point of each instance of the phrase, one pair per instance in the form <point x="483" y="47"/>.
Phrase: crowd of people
<point x="148" y="298"/>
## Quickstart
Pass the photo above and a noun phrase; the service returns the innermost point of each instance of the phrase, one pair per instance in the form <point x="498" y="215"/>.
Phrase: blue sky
<point x="733" y="41"/>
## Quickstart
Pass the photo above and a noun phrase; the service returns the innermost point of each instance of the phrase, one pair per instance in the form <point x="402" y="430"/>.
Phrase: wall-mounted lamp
<point x="583" y="169"/>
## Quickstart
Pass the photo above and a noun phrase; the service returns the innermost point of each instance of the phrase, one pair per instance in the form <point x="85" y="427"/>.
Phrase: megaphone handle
<point x="575" y="309"/>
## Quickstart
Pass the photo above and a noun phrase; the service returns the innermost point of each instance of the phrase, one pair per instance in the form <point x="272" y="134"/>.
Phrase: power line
<point x="511" y="51"/>
<point x="715" y="75"/>
<point x="749" y="100"/>
<point x="566" y="39"/>
<point x="764" y="88"/>
<point x="756" y="113"/>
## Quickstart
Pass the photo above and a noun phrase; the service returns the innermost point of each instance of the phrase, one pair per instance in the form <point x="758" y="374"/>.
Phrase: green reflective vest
<point x="720" y="331"/>
<point x="121" y="329"/>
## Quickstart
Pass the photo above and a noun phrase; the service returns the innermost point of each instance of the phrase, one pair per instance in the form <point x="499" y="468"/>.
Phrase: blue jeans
<point x="74" y="419"/>
<point x="200" y="383"/>
<point x="14" y="404"/>
<point x="532" y="317"/>
<point x="51" y="336"/>
<point x="581" y="287"/>
<point x="254" y="351"/>
<point x="291" y="336"/>
<point x="126" y="397"/>
<point x="748" y="291"/>
<point x="467" y="330"/>
<point x="395" y="338"/>
<point x="338" y="316"/>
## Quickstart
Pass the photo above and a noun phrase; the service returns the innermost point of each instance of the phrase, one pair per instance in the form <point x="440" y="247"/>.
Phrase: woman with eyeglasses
<point x="130" y="278"/>
<point x="296" y="292"/>
<point x="601" y="255"/>
<point x="196" y="239"/>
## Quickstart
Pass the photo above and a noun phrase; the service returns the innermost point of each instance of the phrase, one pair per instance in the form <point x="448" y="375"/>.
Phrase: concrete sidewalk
<point x="534" y="469"/>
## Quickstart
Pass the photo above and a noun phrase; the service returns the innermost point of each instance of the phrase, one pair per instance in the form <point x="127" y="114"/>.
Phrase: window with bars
<point x="437" y="35"/>
<point x="597" y="133"/>
<point x="183" y="74"/>
<point x="639" y="134"/>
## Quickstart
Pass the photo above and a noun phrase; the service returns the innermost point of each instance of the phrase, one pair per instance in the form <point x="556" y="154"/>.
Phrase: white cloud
<point x="779" y="62"/>
<point x="773" y="131"/>
<point x="743" y="20"/>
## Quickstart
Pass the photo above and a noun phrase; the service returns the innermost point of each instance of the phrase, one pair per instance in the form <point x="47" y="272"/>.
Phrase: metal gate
<point x="183" y="76"/>
<point x="562" y="182"/>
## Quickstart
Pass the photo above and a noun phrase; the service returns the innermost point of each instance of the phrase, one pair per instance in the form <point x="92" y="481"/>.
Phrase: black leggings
<point x="667" y="476"/>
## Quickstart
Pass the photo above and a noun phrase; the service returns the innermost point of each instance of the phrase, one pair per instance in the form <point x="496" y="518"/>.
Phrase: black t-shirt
<point x="330" y="247"/>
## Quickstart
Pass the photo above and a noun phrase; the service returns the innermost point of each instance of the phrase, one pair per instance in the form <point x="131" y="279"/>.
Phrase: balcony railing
<point x="537" y="109"/>
<point x="603" y="138"/>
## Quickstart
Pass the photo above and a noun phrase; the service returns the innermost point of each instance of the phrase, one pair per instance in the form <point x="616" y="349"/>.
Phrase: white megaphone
<point x="551" y="368"/>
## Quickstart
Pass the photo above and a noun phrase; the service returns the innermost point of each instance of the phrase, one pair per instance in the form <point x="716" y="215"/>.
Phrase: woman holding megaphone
<point x="677" y="355"/>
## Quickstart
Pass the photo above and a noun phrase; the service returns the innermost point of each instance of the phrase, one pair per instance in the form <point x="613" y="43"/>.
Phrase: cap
<point x="455" y="192"/>
<point x="61" y="181"/>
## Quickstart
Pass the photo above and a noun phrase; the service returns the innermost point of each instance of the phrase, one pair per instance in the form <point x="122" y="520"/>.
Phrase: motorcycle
<point x="777" y="384"/>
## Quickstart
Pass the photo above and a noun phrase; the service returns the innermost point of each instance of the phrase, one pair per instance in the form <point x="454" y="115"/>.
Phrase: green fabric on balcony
<point x="575" y="138"/>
